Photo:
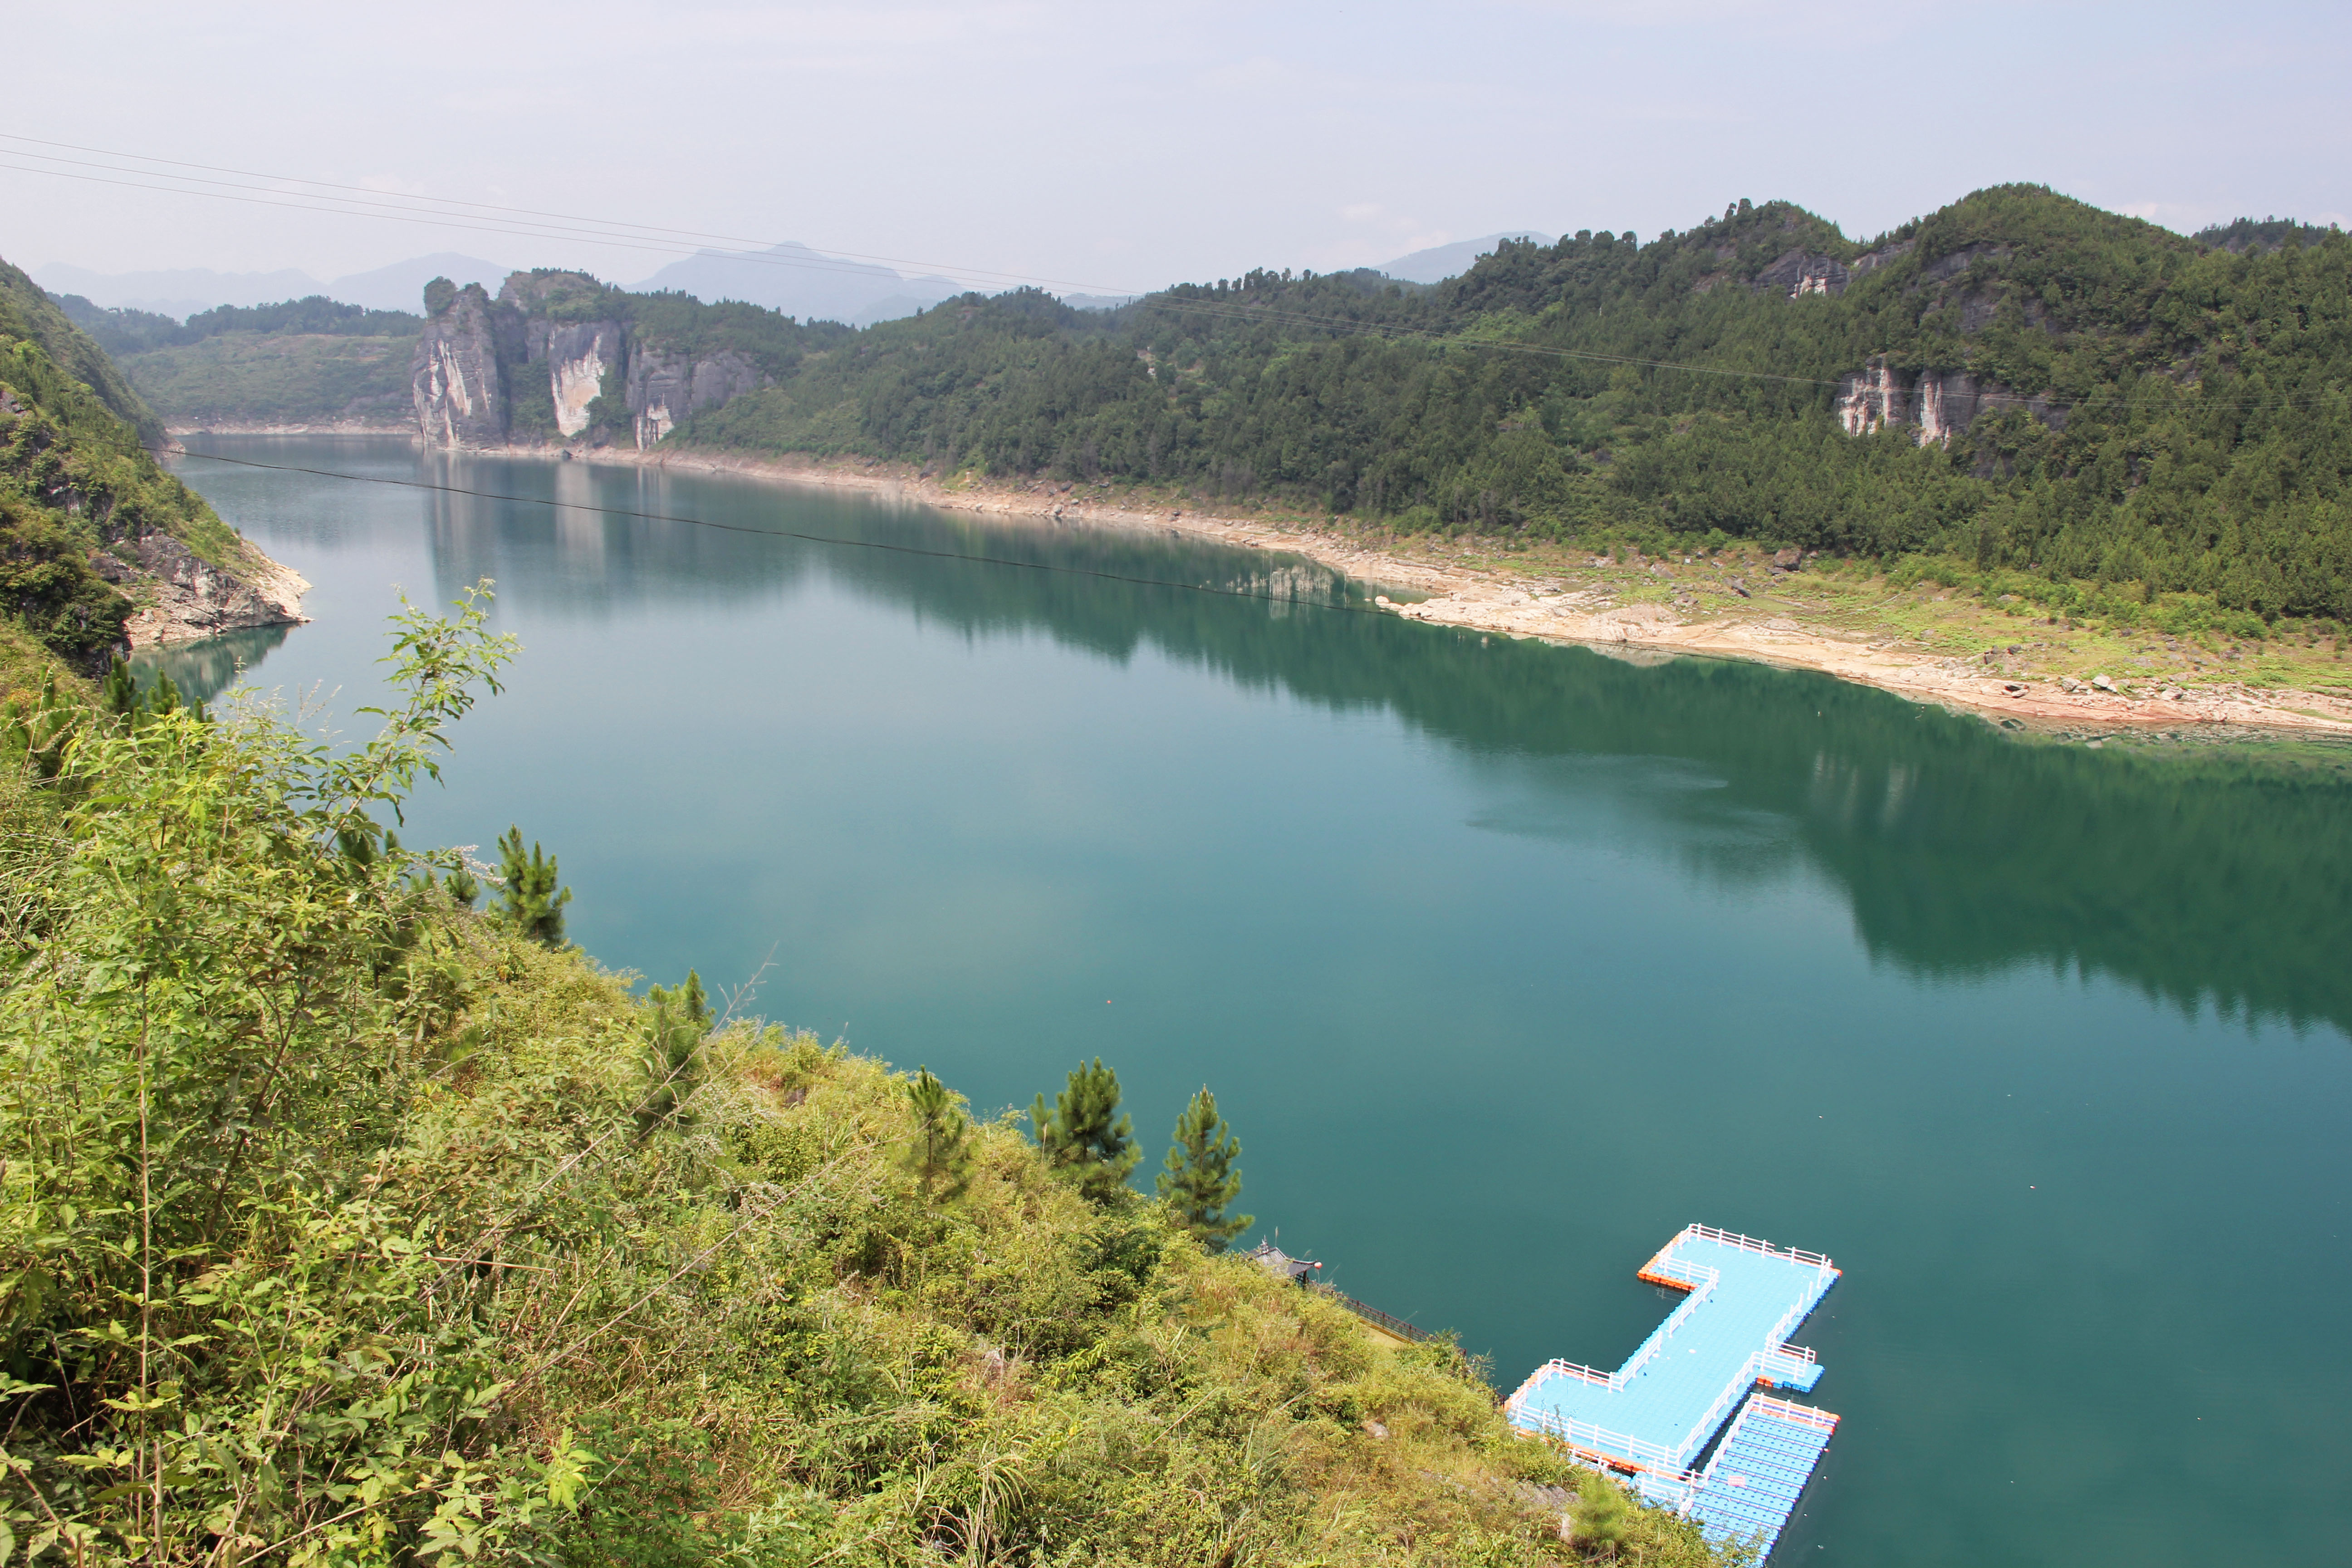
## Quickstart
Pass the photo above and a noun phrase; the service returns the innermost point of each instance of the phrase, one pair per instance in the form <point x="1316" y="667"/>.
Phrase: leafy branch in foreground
<point x="207" y="1028"/>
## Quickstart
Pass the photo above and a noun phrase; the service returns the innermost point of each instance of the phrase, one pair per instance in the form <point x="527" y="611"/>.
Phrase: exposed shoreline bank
<point x="1662" y="607"/>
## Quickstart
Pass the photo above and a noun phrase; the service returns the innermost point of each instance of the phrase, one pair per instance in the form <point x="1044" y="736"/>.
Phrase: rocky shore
<point x="1590" y="606"/>
<point x="180" y="596"/>
<point x="1601" y="605"/>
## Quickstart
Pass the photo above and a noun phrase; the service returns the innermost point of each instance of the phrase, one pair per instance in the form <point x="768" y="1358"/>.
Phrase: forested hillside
<point x="2020" y="381"/>
<point x="120" y="331"/>
<point x="83" y="506"/>
<point x="311" y="360"/>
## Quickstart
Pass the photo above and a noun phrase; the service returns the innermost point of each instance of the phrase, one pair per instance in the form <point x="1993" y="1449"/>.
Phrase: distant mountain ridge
<point x="805" y="284"/>
<point x="791" y="278"/>
<point x="187" y="291"/>
<point x="1439" y="262"/>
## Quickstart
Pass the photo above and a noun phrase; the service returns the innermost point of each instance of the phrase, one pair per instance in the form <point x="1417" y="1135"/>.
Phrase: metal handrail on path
<point x="1388" y="1320"/>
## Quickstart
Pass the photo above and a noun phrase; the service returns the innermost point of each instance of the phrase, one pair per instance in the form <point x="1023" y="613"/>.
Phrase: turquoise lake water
<point x="1505" y="961"/>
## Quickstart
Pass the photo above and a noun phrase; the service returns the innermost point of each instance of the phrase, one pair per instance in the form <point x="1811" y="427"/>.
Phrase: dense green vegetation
<point x="2176" y="418"/>
<point x="126" y="331"/>
<point x="309" y="361"/>
<point x="75" y="479"/>
<point x="262" y="378"/>
<point x="345" y="1225"/>
<point x="29" y="315"/>
<point x="2260" y="234"/>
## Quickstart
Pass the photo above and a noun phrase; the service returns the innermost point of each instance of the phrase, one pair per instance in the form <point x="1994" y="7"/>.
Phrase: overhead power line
<point x="141" y="172"/>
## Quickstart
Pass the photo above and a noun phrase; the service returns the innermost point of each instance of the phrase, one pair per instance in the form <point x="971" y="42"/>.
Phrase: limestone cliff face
<point x="1938" y="404"/>
<point x="480" y="363"/>
<point x="665" y="387"/>
<point x="456" y="379"/>
<point x="576" y="355"/>
<point x="1800" y="272"/>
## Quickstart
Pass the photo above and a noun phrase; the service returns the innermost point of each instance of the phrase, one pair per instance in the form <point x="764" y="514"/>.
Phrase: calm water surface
<point x="1505" y="961"/>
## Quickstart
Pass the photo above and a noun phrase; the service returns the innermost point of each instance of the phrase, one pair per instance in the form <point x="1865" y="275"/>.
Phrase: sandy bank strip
<point x="1512" y="605"/>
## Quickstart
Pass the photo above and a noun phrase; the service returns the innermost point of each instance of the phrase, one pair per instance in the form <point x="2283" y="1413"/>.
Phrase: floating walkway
<point x="1693" y="1379"/>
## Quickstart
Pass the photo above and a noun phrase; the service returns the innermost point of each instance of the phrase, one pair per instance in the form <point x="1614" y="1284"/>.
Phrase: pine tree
<point x="1084" y="1137"/>
<point x="120" y="695"/>
<point x="121" y="692"/>
<point x="533" y="906"/>
<point x="676" y="1023"/>
<point x="38" y="736"/>
<point x="1601" y="1515"/>
<point x="464" y="887"/>
<point x="161" y="700"/>
<point x="1200" y="1180"/>
<point x="938" y="1154"/>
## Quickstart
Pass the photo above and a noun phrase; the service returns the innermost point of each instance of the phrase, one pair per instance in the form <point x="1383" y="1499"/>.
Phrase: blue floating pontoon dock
<point x="1695" y="1378"/>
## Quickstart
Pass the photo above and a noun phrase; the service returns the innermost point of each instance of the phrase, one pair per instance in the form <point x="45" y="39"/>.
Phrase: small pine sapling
<point x="38" y="737"/>
<point x="1084" y="1137"/>
<point x="677" y="1020"/>
<point x="940" y="1151"/>
<point x="534" y="904"/>
<point x="1602" y="1516"/>
<point x="119" y="692"/>
<point x="1200" y="1181"/>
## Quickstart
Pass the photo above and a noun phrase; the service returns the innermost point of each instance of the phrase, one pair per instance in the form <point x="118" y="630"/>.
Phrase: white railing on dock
<point x="1753" y="1244"/>
<point x="1733" y="1392"/>
<point x="1798" y="1415"/>
<point x="1651" y="1348"/>
<point x="1601" y="1440"/>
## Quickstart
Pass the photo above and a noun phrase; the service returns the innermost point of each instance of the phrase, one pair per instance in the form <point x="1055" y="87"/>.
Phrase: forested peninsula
<point x="2020" y="409"/>
<point x="2020" y="381"/>
<point x="1881" y="456"/>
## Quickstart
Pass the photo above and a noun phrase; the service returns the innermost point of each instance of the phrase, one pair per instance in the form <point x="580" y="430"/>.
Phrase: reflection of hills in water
<point x="203" y="670"/>
<point x="2199" y="873"/>
<point x="589" y="563"/>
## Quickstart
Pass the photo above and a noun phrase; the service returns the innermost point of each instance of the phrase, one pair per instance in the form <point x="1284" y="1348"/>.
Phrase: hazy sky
<point x="1123" y="147"/>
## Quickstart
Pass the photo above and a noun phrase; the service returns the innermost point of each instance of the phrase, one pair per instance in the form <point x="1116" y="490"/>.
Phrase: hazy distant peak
<point x="1442" y="261"/>
<point x="400" y="286"/>
<point x="177" y="291"/>
<point x="182" y="292"/>
<point x="802" y="282"/>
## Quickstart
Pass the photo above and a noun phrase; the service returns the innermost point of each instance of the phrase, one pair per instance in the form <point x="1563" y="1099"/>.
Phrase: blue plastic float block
<point x="1788" y="1371"/>
<point x="1751" y="1486"/>
<point x="1706" y="1353"/>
